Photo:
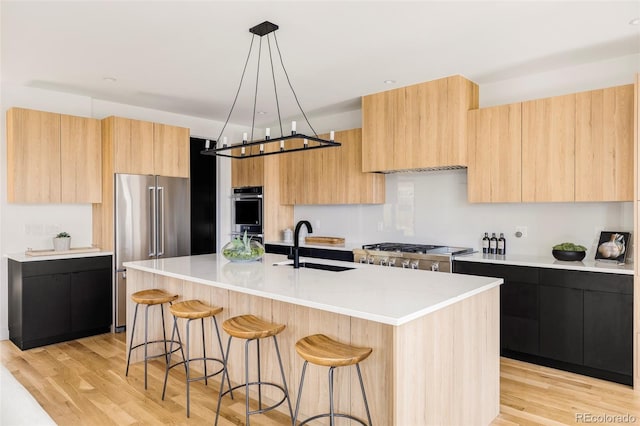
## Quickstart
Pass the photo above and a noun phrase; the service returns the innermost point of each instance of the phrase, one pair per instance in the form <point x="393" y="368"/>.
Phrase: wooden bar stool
<point x="252" y="328"/>
<point x="322" y="350"/>
<point x="193" y="310"/>
<point x="149" y="298"/>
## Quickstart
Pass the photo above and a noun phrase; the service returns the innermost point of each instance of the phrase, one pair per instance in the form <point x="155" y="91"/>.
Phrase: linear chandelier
<point x="289" y="143"/>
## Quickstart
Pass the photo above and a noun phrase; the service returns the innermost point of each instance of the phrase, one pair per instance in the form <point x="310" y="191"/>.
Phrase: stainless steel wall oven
<point x="246" y="211"/>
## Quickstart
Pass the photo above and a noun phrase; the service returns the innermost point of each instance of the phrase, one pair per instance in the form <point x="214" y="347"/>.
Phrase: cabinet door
<point x="46" y="307"/>
<point x="608" y="331"/>
<point x="548" y="138"/>
<point x="132" y="145"/>
<point x="81" y="157"/>
<point x="494" y="156"/>
<point x="33" y="156"/>
<point x="561" y="323"/>
<point x="247" y="172"/>
<point x="357" y="187"/>
<point x="90" y="300"/>
<point x="383" y="130"/>
<point x="604" y="144"/>
<point x="171" y="150"/>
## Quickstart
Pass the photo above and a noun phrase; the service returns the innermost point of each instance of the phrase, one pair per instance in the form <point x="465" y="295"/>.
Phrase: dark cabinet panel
<point x="56" y="300"/>
<point x="46" y="305"/>
<point x="91" y="300"/>
<point x="561" y="318"/>
<point x="608" y="331"/>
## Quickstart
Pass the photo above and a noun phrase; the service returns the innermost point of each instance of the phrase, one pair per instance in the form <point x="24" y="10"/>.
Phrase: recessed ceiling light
<point x="110" y="79"/>
<point x="635" y="21"/>
<point x="262" y="112"/>
<point x="389" y="82"/>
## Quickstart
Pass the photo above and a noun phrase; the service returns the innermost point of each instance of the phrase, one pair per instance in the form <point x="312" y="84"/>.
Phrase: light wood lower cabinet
<point x="604" y="145"/>
<point x="548" y="149"/>
<point x="52" y="158"/>
<point x="330" y="175"/>
<point x="494" y="150"/>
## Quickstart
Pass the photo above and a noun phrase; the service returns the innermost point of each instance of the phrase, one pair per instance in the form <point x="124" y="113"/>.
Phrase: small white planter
<point x="62" y="244"/>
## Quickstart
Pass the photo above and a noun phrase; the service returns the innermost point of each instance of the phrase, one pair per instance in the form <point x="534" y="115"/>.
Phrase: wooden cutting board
<point x="54" y="253"/>
<point x="330" y="241"/>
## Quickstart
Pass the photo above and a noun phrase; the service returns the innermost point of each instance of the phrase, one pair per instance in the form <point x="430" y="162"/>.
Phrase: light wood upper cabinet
<point x="330" y="175"/>
<point x="33" y="156"/>
<point x="494" y="150"/>
<point x="171" y="150"/>
<point x="604" y="144"/>
<point x="131" y="144"/>
<point x="81" y="156"/>
<point x="548" y="149"/>
<point x="247" y="172"/>
<point x="419" y="126"/>
<point x="52" y="158"/>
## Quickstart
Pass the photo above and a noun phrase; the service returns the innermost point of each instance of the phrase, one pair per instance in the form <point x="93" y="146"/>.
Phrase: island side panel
<point x="446" y="367"/>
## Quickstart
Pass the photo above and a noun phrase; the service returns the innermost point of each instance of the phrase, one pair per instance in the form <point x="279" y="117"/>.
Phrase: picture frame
<point x="613" y="246"/>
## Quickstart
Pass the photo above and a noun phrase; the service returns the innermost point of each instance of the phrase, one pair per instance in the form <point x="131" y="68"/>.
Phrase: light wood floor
<point x="83" y="382"/>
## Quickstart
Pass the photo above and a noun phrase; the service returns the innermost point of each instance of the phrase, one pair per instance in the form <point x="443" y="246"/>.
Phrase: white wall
<point x="432" y="207"/>
<point x="25" y="225"/>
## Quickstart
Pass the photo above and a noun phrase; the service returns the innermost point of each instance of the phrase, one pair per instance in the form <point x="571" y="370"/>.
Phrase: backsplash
<point x="432" y="207"/>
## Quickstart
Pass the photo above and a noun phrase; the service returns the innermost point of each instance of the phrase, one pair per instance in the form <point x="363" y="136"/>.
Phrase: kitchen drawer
<point x="62" y="266"/>
<point x="592" y="281"/>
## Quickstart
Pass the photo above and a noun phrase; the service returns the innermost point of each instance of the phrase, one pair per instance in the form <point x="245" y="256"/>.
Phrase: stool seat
<point x="193" y="309"/>
<point x="153" y="296"/>
<point x="322" y="350"/>
<point x="251" y="327"/>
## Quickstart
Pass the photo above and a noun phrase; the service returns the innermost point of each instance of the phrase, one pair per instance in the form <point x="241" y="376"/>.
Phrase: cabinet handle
<point x="152" y="221"/>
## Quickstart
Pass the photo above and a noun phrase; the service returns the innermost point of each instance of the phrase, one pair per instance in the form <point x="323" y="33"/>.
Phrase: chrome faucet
<point x="296" y="242"/>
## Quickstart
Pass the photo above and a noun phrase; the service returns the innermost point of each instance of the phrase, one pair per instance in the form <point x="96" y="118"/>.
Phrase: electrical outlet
<point x="521" y="232"/>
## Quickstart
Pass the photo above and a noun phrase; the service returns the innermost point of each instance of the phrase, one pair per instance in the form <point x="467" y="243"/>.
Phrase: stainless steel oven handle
<point x="245" y="196"/>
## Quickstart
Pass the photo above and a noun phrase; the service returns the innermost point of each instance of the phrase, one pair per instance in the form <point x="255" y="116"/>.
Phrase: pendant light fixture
<point x="249" y="147"/>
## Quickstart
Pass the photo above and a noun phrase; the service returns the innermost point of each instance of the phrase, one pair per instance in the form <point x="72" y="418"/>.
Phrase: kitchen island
<point x="435" y="336"/>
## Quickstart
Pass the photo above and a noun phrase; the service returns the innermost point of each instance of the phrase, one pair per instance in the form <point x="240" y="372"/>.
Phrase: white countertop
<point x="21" y="257"/>
<point x="382" y="294"/>
<point x="590" y="265"/>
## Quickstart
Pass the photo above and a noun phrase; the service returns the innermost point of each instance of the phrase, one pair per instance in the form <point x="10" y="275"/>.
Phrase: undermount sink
<point x="333" y="268"/>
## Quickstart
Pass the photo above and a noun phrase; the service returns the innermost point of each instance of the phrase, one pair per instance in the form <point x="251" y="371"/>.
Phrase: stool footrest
<point x="158" y="342"/>
<point x="319" y="416"/>
<point x="195" y="379"/>
<point x="264" y="410"/>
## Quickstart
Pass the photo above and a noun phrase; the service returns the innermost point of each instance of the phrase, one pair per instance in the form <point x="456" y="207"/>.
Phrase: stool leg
<point x="246" y="375"/>
<point x="304" y="369"/>
<point x="259" y="376"/>
<point x="164" y="333"/>
<point x="204" y="352"/>
<point x="225" y="372"/>
<point x="188" y="370"/>
<point x="284" y="380"/>
<point x="364" y="395"/>
<point x="146" y="340"/>
<point x="224" y="361"/>
<point x="166" y="371"/>
<point x="133" y="330"/>
<point x="331" y="411"/>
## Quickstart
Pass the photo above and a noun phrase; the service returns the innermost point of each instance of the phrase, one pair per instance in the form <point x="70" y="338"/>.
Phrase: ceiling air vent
<point x="424" y="169"/>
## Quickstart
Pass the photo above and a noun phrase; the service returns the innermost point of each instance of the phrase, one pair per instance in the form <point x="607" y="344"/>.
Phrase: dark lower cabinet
<point x="572" y="320"/>
<point x="53" y="301"/>
<point x="561" y="318"/>
<point x="604" y="349"/>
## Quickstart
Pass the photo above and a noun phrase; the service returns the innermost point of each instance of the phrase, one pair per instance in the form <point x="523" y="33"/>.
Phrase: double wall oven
<point x="247" y="212"/>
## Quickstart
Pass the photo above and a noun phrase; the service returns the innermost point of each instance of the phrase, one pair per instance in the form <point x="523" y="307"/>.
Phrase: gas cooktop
<point x="416" y="248"/>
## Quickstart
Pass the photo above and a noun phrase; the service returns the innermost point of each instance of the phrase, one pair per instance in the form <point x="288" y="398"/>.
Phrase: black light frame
<point x="262" y="30"/>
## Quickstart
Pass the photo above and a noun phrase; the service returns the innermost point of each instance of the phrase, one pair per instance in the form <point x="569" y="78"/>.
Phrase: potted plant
<point x="243" y="249"/>
<point x="62" y="242"/>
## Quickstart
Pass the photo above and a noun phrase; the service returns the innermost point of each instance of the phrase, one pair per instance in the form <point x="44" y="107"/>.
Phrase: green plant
<point x="569" y="247"/>
<point x="63" y="235"/>
<point x="240" y="248"/>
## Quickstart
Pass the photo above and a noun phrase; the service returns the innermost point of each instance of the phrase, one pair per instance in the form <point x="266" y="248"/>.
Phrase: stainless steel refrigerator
<point x="152" y="220"/>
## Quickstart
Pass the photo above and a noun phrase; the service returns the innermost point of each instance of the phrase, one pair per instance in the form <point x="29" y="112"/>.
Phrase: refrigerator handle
<point x="161" y="220"/>
<point x="152" y="221"/>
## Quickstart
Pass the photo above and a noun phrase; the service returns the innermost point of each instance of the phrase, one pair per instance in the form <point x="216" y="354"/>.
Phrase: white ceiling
<point x="187" y="57"/>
